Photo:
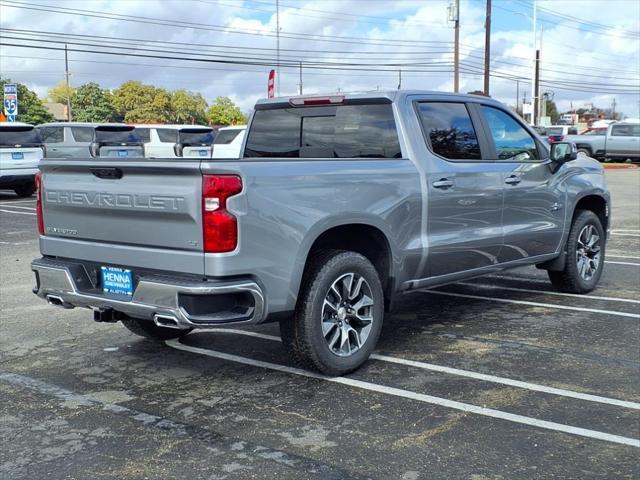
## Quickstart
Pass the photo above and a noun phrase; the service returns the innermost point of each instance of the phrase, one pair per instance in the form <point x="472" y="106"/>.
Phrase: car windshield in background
<point x="116" y="135"/>
<point x="555" y="131"/>
<point x="195" y="137"/>
<point x="345" y="131"/>
<point x="19" y="136"/>
<point x="225" y="137"/>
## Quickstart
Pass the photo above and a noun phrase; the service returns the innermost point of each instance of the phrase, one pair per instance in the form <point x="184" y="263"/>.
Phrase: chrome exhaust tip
<point x="167" y="321"/>
<point x="57" y="301"/>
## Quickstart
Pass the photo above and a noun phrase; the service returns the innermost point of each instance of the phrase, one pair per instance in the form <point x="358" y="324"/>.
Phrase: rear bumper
<point x="168" y="300"/>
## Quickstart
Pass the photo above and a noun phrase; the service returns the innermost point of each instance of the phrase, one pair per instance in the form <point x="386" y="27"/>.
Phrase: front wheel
<point x="339" y="315"/>
<point x="585" y="255"/>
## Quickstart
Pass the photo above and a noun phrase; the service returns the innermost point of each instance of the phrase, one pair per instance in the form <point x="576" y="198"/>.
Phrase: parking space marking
<point x="625" y="234"/>
<point x="623" y="263"/>
<point x="467" y="373"/>
<point x="532" y="304"/>
<point x="19" y="213"/>
<point x="20" y="206"/>
<point x="609" y="254"/>
<point x="18" y="201"/>
<point x="407" y="394"/>
<point x="548" y="292"/>
<point x="624" y="231"/>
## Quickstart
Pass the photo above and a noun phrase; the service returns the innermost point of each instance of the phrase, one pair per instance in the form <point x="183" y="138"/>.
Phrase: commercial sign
<point x="11" y="101"/>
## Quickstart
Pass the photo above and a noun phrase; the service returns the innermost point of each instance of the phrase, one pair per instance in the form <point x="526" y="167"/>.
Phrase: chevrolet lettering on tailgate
<point x="118" y="200"/>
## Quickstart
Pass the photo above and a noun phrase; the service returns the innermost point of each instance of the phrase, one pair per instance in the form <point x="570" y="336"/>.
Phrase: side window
<point x="449" y="130"/>
<point x="144" y="134"/>
<point x="52" y="134"/>
<point x="82" y="134"/>
<point x="628" y="130"/>
<point x="513" y="143"/>
<point x="167" y="135"/>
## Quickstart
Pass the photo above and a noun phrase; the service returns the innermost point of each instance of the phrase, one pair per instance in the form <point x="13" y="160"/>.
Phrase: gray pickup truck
<point x="338" y="206"/>
<point x="619" y="142"/>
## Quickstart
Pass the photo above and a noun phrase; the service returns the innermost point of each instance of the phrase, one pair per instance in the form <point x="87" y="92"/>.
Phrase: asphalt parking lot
<point x="495" y="378"/>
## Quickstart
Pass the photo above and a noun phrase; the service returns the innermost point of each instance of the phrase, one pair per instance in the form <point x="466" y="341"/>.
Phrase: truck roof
<point x="386" y="96"/>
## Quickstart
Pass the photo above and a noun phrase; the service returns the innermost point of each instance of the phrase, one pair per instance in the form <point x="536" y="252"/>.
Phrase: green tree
<point x="60" y="92"/>
<point x="90" y="103"/>
<point x="225" y="112"/>
<point x="552" y="111"/>
<point x="30" y="108"/>
<point x="188" y="107"/>
<point x="140" y="103"/>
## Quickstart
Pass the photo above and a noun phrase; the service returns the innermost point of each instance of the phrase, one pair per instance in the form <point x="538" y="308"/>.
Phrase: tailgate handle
<point x="107" y="172"/>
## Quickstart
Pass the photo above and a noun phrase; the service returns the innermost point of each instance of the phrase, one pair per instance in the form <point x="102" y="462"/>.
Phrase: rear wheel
<point x="585" y="151"/>
<point x="148" y="329"/>
<point x="339" y="315"/>
<point x="585" y="255"/>
<point x="25" y="190"/>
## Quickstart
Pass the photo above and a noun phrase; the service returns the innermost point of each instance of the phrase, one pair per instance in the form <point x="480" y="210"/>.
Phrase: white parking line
<point x="19" y="213"/>
<point x="623" y="263"/>
<point x="548" y="292"/>
<point x="420" y="397"/>
<point x="624" y="231"/>
<point x="609" y="254"/>
<point x="18" y="201"/>
<point x="20" y="206"/>
<point x="533" y="304"/>
<point x="625" y="234"/>
<point x="466" y="373"/>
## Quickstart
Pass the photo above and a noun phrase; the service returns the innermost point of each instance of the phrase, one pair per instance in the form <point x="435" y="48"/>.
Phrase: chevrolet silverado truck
<point x="339" y="205"/>
<point x="619" y="142"/>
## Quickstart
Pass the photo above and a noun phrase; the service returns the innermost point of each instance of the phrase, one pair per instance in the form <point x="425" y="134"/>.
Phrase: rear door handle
<point x="443" y="183"/>
<point x="513" y="180"/>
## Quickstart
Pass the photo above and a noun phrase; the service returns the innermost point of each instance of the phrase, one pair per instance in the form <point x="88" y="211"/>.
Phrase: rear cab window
<point x="335" y="131"/>
<point x="19" y="137"/>
<point x="225" y="137"/>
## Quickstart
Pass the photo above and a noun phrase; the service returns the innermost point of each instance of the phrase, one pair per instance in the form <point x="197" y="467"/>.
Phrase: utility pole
<point x="300" y="85"/>
<point x="399" y="79"/>
<point x="454" y="16"/>
<point x="613" y="109"/>
<point x="66" y="74"/>
<point x="487" y="47"/>
<point x="518" y="97"/>
<point x="534" y="47"/>
<point x="536" y="90"/>
<point x="277" y="48"/>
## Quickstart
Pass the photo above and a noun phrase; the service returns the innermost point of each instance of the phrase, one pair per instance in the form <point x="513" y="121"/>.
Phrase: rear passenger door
<point x="534" y="198"/>
<point x="624" y="140"/>
<point x="464" y="190"/>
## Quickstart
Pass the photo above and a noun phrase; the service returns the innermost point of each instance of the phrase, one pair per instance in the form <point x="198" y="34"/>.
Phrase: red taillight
<point x="39" y="215"/>
<point x="219" y="227"/>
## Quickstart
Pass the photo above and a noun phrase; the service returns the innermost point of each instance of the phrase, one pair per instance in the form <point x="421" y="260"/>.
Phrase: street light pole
<point x="487" y="47"/>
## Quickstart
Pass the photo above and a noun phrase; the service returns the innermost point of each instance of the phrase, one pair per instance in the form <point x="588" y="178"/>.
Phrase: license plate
<point x="123" y="153"/>
<point x="117" y="281"/>
<point x="17" y="156"/>
<point x="203" y="153"/>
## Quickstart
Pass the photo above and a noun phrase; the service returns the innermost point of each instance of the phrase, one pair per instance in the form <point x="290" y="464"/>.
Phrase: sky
<point x="589" y="49"/>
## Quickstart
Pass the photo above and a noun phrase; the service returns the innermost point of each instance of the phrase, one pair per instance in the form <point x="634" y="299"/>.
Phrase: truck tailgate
<point x="124" y="212"/>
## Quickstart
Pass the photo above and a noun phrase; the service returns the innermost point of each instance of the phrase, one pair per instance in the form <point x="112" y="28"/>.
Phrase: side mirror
<point x="562" y="152"/>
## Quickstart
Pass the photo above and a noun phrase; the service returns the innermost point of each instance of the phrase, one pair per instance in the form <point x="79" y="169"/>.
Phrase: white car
<point x="176" y="141"/>
<point x="20" y="152"/>
<point x="228" y="142"/>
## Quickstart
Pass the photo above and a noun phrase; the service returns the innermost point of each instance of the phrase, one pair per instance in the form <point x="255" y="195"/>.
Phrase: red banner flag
<point x="271" y="84"/>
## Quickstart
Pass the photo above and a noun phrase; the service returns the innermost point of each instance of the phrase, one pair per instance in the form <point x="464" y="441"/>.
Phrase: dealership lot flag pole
<point x="11" y="101"/>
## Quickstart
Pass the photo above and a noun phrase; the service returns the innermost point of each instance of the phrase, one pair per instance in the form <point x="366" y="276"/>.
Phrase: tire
<point x="149" y="330"/>
<point x="26" y="190"/>
<point x="351" y="318"/>
<point x="584" y="266"/>
<point x="585" y="151"/>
